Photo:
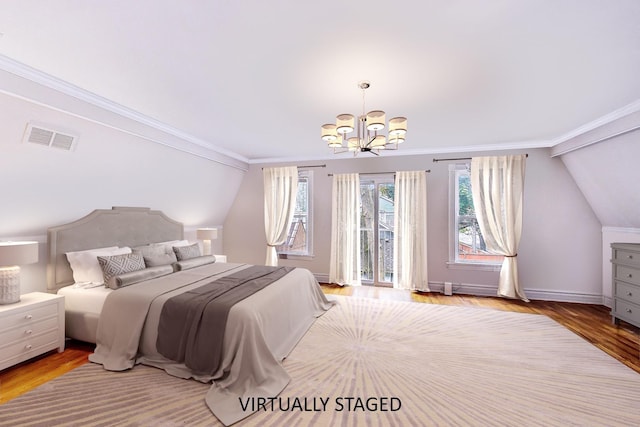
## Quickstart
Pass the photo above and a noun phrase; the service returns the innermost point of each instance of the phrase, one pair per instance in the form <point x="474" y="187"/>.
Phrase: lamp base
<point x="206" y="247"/>
<point x="9" y="285"/>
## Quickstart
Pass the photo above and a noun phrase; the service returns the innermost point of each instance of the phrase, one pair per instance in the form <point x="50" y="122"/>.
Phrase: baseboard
<point x="492" y="291"/>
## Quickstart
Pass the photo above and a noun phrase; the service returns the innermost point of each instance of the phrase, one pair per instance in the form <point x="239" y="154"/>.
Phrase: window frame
<point x="308" y="254"/>
<point x="455" y="169"/>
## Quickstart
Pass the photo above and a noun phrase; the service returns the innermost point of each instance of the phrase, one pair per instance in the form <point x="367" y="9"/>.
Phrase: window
<point x="376" y="230"/>
<point x="466" y="243"/>
<point x="299" y="233"/>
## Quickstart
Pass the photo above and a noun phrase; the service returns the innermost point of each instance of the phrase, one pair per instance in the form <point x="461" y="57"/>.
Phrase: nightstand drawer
<point x="27" y="348"/>
<point x="627" y="292"/>
<point x="25" y="332"/>
<point x="27" y="315"/>
<point x="627" y="311"/>
<point x="30" y="327"/>
<point x="626" y="274"/>
<point x="626" y="257"/>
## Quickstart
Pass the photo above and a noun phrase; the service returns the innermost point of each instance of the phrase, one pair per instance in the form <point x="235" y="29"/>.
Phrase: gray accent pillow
<point x="160" y="259"/>
<point x="194" y="262"/>
<point x="115" y="265"/>
<point x="132" y="277"/>
<point x="187" y="252"/>
<point x="153" y="250"/>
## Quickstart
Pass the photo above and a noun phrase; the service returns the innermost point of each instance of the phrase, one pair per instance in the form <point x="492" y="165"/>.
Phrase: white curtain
<point x="344" y="268"/>
<point x="280" y="189"/>
<point x="410" y="231"/>
<point x="497" y="184"/>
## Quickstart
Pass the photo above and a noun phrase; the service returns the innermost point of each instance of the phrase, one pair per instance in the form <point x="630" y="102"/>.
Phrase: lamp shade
<point x="397" y="126"/>
<point x="353" y="143"/>
<point x="378" y="142"/>
<point x="375" y="120"/>
<point x="336" y="143"/>
<point x="207" y="233"/>
<point x="329" y="132"/>
<point x="18" y="253"/>
<point x="345" y="123"/>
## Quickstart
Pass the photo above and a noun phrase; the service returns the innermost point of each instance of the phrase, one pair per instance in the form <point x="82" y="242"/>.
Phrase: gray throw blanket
<point x="192" y="324"/>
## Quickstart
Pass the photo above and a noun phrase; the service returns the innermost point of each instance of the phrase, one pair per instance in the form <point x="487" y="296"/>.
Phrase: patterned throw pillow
<point x="119" y="264"/>
<point x="187" y="252"/>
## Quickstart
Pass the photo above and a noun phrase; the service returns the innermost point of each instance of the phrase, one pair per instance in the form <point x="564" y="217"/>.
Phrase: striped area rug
<point x="368" y="362"/>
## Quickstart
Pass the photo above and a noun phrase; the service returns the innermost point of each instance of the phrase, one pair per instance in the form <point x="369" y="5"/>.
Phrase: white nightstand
<point x="31" y="327"/>
<point x="220" y="258"/>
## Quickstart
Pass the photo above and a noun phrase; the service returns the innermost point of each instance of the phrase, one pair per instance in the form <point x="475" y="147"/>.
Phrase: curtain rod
<point x="310" y="166"/>
<point x="378" y="173"/>
<point x="459" y="158"/>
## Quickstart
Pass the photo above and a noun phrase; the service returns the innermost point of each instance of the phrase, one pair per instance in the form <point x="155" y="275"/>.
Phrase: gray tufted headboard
<point x="118" y="226"/>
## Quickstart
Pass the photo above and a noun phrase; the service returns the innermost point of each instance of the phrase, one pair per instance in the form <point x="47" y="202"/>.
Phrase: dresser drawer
<point x="27" y="348"/>
<point x="627" y="292"/>
<point x="24" y="332"/>
<point x="626" y="257"/>
<point x="626" y="274"/>
<point x="627" y="311"/>
<point x="28" y="315"/>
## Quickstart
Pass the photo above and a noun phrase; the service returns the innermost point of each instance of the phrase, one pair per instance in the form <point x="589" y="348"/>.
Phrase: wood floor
<point x="592" y="322"/>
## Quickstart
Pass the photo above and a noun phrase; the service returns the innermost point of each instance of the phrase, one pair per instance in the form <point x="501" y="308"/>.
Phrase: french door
<point x="376" y="230"/>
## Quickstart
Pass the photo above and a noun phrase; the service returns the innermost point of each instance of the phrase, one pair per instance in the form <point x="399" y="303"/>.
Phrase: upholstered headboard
<point x="118" y="226"/>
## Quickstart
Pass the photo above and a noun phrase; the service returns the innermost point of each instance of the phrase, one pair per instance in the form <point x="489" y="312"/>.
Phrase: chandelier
<point x="367" y="139"/>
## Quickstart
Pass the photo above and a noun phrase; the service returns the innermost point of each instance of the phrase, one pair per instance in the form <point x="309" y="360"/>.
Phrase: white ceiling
<point x="258" y="78"/>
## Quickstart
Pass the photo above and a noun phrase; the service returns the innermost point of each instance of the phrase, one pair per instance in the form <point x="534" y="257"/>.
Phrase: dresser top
<point x="626" y="246"/>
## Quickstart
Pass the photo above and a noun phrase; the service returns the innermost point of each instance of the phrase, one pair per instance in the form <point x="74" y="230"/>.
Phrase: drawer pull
<point x="630" y="256"/>
<point x="28" y="332"/>
<point x="629" y="310"/>
<point x="629" y="294"/>
<point x="629" y="275"/>
<point x="28" y="347"/>
<point x="28" y="317"/>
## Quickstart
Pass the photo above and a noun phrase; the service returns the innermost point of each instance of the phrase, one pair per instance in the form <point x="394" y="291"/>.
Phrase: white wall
<point x="604" y="163"/>
<point x="607" y="172"/>
<point x="559" y="256"/>
<point x="43" y="187"/>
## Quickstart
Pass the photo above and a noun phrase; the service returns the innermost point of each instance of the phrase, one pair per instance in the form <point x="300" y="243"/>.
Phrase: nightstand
<point x="31" y="327"/>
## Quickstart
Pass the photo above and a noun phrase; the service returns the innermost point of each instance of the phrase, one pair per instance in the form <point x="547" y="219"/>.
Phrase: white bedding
<point x="83" y="306"/>
<point x="86" y="300"/>
<point x="261" y="330"/>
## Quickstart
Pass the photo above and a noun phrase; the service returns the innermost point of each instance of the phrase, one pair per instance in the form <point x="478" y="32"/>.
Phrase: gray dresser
<point x="625" y="263"/>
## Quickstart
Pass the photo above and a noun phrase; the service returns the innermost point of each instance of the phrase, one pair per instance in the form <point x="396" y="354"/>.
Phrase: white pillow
<point x="85" y="266"/>
<point x="172" y="243"/>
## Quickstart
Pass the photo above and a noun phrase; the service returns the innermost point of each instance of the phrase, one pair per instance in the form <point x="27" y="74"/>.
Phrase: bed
<point x="260" y="330"/>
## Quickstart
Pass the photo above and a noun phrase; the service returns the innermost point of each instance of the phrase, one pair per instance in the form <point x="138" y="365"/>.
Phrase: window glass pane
<point x="367" y="237"/>
<point x="385" y="232"/>
<point x="298" y="237"/>
<point x="471" y="246"/>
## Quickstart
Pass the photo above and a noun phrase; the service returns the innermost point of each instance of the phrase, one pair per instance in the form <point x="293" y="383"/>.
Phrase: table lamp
<point x="12" y="255"/>
<point x="207" y="235"/>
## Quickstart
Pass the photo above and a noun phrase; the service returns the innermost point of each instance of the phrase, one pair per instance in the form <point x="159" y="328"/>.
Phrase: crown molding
<point x="616" y="123"/>
<point x="187" y="143"/>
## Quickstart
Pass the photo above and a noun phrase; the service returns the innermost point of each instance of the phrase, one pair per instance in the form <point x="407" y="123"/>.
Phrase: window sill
<point x="296" y="257"/>
<point x="473" y="266"/>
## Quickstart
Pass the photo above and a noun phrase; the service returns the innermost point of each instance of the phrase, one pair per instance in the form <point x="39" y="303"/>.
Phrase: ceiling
<point x="259" y="78"/>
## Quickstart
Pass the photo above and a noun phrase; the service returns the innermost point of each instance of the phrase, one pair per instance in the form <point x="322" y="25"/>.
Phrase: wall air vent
<point x="45" y="135"/>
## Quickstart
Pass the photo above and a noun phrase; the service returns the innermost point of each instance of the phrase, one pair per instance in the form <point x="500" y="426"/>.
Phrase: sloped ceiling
<point x="258" y="78"/>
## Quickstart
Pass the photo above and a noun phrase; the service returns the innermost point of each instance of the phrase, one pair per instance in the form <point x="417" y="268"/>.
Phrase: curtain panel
<point x="410" y="231"/>
<point x="280" y="189"/>
<point x="497" y="186"/>
<point x="344" y="262"/>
